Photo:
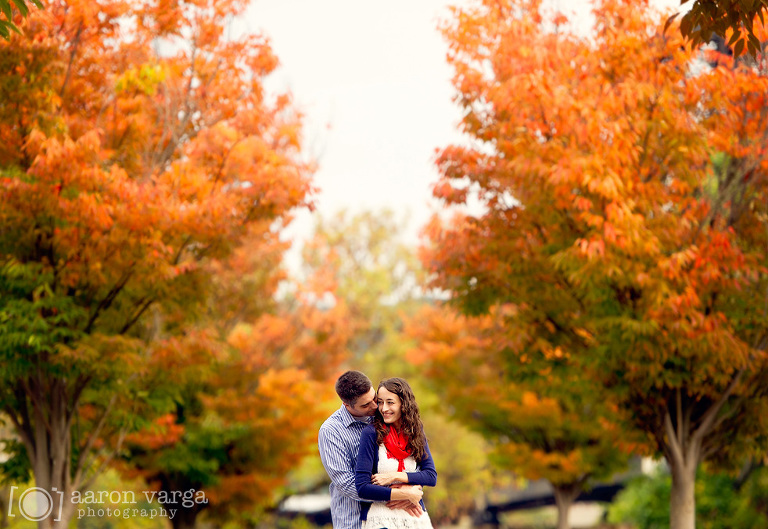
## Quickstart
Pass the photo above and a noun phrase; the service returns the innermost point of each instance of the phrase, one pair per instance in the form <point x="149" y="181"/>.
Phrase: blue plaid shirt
<point x="339" y="443"/>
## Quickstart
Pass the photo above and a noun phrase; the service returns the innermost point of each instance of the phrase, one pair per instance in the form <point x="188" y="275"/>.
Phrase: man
<point x="339" y="442"/>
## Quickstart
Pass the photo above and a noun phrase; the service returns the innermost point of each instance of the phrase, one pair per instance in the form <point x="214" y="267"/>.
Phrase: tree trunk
<point x="682" y="508"/>
<point x="182" y="513"/>
<point x="183" y="517"/>
<point x="5" y="494"/>
<point x="51" y="462"/>
<point x="564" y="498"/>
<point x="682" y="450"/>
<point x="43" y="421"/>
<point x="51" y="471"/>
<point x="184" y="521"/>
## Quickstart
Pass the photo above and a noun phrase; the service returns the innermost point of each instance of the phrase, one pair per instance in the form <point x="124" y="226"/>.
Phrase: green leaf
<point x="4" y="29"/>
<point x="38" y="3"/>
<point x="22" y="5"/>
<point x="5" y="7"/>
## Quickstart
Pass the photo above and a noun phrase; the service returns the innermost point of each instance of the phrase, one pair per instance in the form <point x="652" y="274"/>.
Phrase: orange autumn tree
<point x="249" y="374"/>
<point x="513" y="380"/>
<point x="242" y="404"/>
<point x="124" y="173"/>
<point x="624" y="194"/>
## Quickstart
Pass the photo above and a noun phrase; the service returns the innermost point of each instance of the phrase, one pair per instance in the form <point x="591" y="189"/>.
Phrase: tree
<point x="644" y="503"/>
<point x="241" y="413"/>
<point x="124" y="175"/>
<point x="514" y="381"/>
<point x="250" y="373"/>
<point x="361" y="259"/>
<point x="624" y="205"/>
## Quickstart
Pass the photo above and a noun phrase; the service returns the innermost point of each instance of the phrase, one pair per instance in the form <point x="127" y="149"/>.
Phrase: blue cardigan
<point x="367" y="462"/>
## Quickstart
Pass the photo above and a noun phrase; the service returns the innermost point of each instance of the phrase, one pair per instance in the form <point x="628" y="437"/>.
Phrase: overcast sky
<point x="374" y="84"/>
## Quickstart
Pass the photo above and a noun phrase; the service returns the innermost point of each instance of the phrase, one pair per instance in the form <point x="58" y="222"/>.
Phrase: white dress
<point x="380" y="516"/>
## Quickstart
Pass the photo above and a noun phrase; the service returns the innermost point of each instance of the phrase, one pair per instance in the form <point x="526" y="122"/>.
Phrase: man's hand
<point x="410" y="508"/>
<point x="407" y="506"/>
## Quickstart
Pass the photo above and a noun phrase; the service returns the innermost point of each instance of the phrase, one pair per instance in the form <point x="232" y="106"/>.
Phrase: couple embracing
<point x="376" y="454"/>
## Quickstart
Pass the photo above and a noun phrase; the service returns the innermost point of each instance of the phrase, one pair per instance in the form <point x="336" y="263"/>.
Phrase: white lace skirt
<point x="380" y="516"/>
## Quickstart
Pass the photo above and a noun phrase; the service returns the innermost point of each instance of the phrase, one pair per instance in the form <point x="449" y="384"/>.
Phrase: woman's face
<point x="390" y="406"/>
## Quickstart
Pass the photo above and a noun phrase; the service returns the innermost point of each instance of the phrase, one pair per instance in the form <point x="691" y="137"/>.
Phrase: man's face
<point x="364" y="406"/>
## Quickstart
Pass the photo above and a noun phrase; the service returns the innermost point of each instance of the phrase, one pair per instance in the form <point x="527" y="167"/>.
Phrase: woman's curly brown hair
<point x="410" y="420"/>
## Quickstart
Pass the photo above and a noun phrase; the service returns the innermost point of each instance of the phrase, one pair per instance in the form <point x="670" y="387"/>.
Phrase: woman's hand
<point x="386" y="479"/>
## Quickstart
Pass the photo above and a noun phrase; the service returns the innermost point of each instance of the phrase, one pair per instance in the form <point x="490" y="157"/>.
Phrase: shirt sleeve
<point x="336" y="464"/>
<point x="427" y="474"/>
<point x="364" y="469"/>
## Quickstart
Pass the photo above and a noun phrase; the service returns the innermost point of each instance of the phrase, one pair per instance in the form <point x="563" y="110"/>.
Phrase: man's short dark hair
<point x="351" y="386"/>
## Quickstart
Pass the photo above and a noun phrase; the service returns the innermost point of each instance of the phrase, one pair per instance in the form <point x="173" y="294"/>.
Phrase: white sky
<point x="373" y="82"/>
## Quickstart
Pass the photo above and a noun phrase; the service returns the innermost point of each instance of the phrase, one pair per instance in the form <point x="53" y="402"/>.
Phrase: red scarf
<point x="395" y="443"/>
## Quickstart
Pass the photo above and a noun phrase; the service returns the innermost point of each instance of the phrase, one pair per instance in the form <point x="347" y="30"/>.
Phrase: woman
<point x="394" y="451"/>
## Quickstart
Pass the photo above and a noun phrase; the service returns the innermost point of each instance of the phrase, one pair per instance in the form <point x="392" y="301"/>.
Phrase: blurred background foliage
<point x="722" y="502"/>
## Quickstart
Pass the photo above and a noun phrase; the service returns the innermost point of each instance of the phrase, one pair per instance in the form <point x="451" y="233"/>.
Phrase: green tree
<point x="361" y="259"/>
<point x="721" y="504"/>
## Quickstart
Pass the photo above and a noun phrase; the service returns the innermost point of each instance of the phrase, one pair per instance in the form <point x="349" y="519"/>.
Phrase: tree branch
<point x="24" y="431"/>
<point x="674" y="447"/>
<point x="109" y="298"/>
<point x="708" y="419"/>
<point x="92" y="439"/>
<point x="87" y="484"/>
<point x="136" y="316"/>
<point x="75" y="46"/>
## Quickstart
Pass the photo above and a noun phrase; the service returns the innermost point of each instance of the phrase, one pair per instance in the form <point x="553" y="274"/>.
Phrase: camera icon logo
<point x="35" y="504"/>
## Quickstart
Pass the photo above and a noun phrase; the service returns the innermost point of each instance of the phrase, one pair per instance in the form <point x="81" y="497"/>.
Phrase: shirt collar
<point x="349" y="419"/>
